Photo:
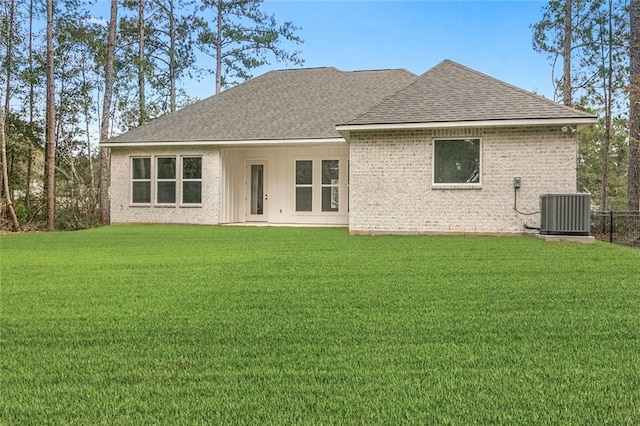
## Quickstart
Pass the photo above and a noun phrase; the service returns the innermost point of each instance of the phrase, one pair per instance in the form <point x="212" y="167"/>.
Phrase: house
<point x="382" y="151"/>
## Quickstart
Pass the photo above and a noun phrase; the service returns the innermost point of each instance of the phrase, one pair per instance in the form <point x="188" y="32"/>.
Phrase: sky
<point x="493" y="37"/>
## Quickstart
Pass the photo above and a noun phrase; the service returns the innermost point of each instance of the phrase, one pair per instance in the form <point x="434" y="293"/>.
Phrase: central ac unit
<point x="565" y="214"/>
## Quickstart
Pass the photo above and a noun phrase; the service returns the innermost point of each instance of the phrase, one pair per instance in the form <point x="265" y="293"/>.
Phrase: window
<point x="304" y="185"/>
<point x="330" y="185"/>
<point x="456" y="161"/>
<point x="191" y="180"/>
<point x="166" y="180"/>
<point x="141" y="180"/>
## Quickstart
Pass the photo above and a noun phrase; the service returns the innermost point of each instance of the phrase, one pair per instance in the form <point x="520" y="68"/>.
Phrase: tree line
<point x="71" y="78"/>
<point x="594" y="49"/>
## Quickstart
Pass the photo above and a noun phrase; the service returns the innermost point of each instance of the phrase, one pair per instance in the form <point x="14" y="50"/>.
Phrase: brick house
<point x="380" y="151"/>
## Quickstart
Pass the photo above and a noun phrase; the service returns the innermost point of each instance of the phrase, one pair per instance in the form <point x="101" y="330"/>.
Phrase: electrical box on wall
<point x="517" y="182"/>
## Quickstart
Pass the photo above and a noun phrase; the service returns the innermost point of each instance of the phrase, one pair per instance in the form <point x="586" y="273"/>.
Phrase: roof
<point x="450" y="92"/>
<point x="323" y="103"/>
<point x="278" y="105"/>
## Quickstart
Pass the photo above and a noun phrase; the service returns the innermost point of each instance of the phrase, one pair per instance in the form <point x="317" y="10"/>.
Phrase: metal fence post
<point x="610" y="226"/>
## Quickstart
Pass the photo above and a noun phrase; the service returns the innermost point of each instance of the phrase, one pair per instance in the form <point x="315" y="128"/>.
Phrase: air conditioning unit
<point x="565" y="214"/>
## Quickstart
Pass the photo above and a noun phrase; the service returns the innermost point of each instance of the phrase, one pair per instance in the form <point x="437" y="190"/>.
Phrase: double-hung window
<point x="191" y="180"/>
<point x="317" y="186"/>
<point x="330" y="185"/>
<point x="166" y="180"/>
<point x="304" y="185"/>
<point x="141" y="180"/>
<point x="457" y="162"/>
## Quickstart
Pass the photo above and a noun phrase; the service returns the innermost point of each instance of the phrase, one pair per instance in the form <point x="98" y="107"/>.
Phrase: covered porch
<point x="296" y="184"/>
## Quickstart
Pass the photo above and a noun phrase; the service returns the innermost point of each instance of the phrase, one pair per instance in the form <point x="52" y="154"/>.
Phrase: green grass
<point x="234" y="325"/>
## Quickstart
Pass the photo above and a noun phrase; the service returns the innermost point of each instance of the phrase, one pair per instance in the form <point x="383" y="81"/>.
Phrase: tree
<point x="633" y="192"/>
<point x="242" y="38"/>
<point x="590" y="36"/>
<point x="155" y="50"/>
<point x="50" y="124"/>
<point x="590" y="155"/>
<point x="560" y="35"/>
<point x="106" y="108"/>
<point x="8" y="24"/>
<point x="5" y="176"/>
<point x="606" y="64"/>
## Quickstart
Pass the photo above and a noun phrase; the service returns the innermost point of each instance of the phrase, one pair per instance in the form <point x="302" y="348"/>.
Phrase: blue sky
<point x="493" y="37"/>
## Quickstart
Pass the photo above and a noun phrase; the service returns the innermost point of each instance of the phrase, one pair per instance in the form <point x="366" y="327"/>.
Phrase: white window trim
<point x="153" y="181"/>
<point x="183" y="180"/>
<point x="435" y="185"/>
<point x="296" y="185"/>
<point x="317" y="185"/>
<point x="132" y="180"/>
<point x="330" y="185"/>
<point x="158" y="181"/>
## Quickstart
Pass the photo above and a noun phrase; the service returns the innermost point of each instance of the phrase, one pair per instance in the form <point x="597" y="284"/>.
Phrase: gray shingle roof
<point x="279" y="105"/>
<point x="450" y="92"/>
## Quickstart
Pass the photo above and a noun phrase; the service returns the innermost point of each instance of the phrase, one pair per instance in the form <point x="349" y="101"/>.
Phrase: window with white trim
<point x="166" y="180"/>
<point x="141" y="180"/>
<point x="304" y="185"/>
<point x="330" y="185"/>
<point x="457" y="162"/>
<point x="191" y="180"/>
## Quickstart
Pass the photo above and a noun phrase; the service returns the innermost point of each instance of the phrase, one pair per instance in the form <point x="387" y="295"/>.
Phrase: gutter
<point x="579" y="122"/>
<point x="248" y="143"/>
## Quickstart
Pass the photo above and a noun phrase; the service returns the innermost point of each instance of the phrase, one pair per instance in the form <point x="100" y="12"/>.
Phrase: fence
<point x="617" y="227"/>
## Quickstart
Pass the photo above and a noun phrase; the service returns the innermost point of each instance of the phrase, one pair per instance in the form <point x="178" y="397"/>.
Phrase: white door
<point x="256" y="190"/>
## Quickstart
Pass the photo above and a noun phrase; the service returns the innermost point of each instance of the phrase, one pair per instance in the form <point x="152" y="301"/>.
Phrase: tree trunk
<point x="15" y="225"/>
<point x="633" y="192"/>
<point x="567" y="92"/>
<point x="50" y="124"/>
<point x="105" y="217"/>
<point x="219" y="47"/>
<point x="142" y="109"/>
<point x="5" y="163"/>
<point x="27" y="194"/>
<point x="607" y="89"/>
<point x="172" y="58"/>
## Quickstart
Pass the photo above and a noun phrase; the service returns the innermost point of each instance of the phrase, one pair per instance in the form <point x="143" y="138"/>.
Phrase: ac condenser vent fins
<point x="565" y="214"/>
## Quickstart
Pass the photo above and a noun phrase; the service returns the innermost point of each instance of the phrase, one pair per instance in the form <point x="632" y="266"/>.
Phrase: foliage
<point x="232" y="325"/>
<point x="590" y="145"/>
<point x="634" y="108"/>
<point x="596" y="63"/>
<point x="148" y="83"/>
<point x="239" y="36"/>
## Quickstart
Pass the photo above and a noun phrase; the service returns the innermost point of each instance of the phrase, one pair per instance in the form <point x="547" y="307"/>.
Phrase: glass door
<point x="256" y="189"/>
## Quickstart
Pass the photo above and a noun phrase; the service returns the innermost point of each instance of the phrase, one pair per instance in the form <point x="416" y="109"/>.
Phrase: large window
<point x="304" y="185"/>
<point x="191" y="180"/>
<point x="166" y="180"/>
<point x="317" y="186"/>
<point x="141" y="180"/>
<point x="456" y="161"/>
<point x="330" y="185"/>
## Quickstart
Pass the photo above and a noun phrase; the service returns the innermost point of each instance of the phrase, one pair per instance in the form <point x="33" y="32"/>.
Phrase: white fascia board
<point x="456" y="124"/>
<point x="238" y="143"/>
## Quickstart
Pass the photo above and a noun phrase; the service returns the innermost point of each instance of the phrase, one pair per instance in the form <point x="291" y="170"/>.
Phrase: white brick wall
<point x="391" y="180"/>
<point x="120" y="190"/>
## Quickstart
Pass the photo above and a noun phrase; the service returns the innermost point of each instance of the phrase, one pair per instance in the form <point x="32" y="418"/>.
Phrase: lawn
<point x="236" y="325"/>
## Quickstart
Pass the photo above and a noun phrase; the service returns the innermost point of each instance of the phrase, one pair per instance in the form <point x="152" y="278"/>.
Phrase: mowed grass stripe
<point x="193" y="325"/>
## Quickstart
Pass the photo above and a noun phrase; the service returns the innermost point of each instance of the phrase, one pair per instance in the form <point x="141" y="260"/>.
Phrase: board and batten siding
<point x="392" y="191"/>
<point x="280" y="184"/>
